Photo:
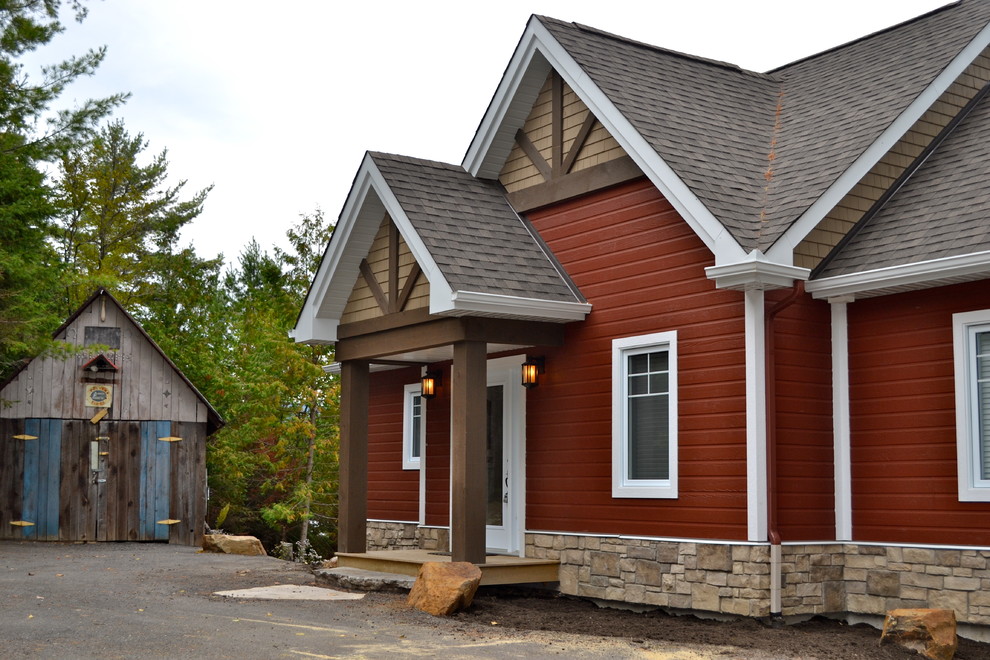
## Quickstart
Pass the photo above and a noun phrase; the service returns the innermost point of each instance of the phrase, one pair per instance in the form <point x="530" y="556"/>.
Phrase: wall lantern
<point x="431" y="381"/>
<point x="531" y="369"/>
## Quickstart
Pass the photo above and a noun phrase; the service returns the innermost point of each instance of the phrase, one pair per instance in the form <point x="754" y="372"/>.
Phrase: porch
<point x="496" y="569"/>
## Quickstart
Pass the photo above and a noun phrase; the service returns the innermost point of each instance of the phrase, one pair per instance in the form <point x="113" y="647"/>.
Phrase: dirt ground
<point x="819" y="638"/>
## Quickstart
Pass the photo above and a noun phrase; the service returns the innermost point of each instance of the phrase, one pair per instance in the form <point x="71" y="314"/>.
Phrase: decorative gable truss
<point x="562" y="151"/>
<point x="391" y="279"/>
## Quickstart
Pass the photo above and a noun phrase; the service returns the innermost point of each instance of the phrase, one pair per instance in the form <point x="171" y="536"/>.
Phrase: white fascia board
<point x="755" y="273"/>
<point x="537" y="41"/>
<point x="319" y="317"/>
<point x="924" y="274"/>
<point x="473" y="302"/>
<point x="783" y="249"/>
<point x="523" y="78"/>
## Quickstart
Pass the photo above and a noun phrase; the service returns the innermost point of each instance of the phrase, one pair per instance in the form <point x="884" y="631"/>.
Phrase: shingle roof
<point x="475" y="237"/>
<point x="942" y="211"/>
<point x="715" y="124"/>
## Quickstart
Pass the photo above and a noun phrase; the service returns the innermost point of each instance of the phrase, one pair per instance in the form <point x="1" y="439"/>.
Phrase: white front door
<point x="505" y="448"/>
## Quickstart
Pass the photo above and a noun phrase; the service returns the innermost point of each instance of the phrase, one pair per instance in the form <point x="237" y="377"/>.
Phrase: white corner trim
<point x="537" y="45"/>
<point x="934" y="272"/>
<point x="463" y="302"/>
<point x="842" y="449"/>
<point x="783" y="248"/>
<point x="756" y="417"/>
<point x="755" y="272"/>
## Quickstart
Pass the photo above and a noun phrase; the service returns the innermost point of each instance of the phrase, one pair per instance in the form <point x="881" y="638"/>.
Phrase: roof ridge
<point x="659" y="49"/>
<point x="865" y="37"/>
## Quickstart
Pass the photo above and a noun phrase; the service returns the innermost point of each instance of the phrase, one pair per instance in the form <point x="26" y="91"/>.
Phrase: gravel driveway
<point x="129" y="600"/>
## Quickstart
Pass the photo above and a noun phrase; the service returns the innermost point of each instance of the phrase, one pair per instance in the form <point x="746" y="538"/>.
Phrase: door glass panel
<point x="495" y="460"/>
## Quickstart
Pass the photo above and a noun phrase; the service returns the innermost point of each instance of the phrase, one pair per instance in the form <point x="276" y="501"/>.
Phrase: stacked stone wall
<point x="881" y="578"/>
<point x="726" y="578"/>
<point x="390" y="535"/>
<point x="729" y="579"/>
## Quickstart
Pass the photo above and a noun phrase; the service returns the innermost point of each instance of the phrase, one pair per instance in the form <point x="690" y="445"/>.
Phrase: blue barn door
<point x="155" y="493"/>
<point x="42" y="477"/>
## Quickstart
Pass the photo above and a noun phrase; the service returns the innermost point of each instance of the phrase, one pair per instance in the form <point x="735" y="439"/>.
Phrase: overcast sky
<point x="276" y="102"/>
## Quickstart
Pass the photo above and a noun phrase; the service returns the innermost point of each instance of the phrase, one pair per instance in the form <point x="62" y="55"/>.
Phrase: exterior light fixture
<point x="531" y="369"/>
<point x="431" y="381"/>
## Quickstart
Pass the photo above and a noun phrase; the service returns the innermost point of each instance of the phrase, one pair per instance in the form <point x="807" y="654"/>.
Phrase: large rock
<point x="233" y="545"/>
<point x="932" y="633"/>
<point x="442" y="588"/>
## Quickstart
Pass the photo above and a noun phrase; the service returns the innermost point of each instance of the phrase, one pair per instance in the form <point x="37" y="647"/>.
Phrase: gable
<point x="390" y="280"/>
<point x="560" y="138"/>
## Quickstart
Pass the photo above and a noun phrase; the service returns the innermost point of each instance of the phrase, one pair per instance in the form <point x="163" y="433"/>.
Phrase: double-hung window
<point x="644" y="416"/>
<point x="971" y="345"/>
<point x="413" y="427"/>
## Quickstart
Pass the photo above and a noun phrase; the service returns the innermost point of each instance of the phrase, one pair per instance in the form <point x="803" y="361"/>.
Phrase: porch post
<point x="468" y="462"/>
<point x="352" y="488"/>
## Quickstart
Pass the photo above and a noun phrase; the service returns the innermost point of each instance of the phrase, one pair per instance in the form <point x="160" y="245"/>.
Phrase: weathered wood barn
<point x="751" y="311"/>
<point x="107" y="444"/>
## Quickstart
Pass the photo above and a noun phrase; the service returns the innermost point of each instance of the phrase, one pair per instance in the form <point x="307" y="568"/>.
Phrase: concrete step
<point x="359" y="579"/>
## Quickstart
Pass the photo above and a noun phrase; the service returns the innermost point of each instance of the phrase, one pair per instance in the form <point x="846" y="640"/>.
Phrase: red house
<point x="754" y="308"/>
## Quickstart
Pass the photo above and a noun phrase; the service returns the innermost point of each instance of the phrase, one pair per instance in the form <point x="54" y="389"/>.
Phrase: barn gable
<point x="145" y="385"/>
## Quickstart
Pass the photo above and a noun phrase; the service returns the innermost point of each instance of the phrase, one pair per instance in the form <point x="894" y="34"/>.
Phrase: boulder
<point x="442" y="588"/>
<point x="932" y="633"/>
<point x="233" y="545"/>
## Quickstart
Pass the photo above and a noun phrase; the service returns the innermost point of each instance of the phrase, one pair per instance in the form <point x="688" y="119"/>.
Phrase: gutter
<point x="773" y="533"/>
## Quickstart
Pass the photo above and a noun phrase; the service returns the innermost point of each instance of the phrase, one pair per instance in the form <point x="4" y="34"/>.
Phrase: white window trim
<point x="622" y="487"/>
<point x="964" y="326"/>
<point x="410" y="462"/>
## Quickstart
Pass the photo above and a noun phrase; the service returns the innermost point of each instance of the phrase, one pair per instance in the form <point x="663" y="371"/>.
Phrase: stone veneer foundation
<point x="734" y="578"/>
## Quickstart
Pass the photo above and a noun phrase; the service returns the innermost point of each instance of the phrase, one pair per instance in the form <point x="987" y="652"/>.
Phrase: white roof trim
<point x="755" y="273"/>
<point x="485" y="155"/>
<point x="909" y="277"/>
<point x="473" y="302"/>
<point x="783" y="249"/>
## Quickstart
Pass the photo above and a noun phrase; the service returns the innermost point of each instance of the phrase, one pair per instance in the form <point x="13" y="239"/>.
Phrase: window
<point x="971" y="344"/>
<point x="413" y="427"/>
<point x="644" y="416"/>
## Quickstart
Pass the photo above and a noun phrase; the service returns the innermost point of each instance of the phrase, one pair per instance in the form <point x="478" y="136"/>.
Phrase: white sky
<point x="276" y="102"/>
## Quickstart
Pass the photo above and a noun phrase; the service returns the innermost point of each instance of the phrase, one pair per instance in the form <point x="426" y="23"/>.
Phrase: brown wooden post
<point x="468" y="461"/>
<point x="352" y="488"/>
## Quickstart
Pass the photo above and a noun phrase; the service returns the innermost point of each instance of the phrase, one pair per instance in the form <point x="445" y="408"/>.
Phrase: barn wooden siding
<point x="803" y="368"/>
<point x="902" y="408"/>
<point x="146" y="473"/>
<point x="393" y="493"/>
<point x="642" y="268"/>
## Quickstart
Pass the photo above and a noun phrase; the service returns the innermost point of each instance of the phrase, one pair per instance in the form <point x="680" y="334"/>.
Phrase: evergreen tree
<point x="31" y="133"/>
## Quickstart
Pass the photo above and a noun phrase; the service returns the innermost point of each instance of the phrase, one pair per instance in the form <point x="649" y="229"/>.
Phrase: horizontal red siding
<point x="393" y="493"/>
<point x="903" y="419"/>
<point x="642" y="268"/>
<point x="803" y="372"/>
